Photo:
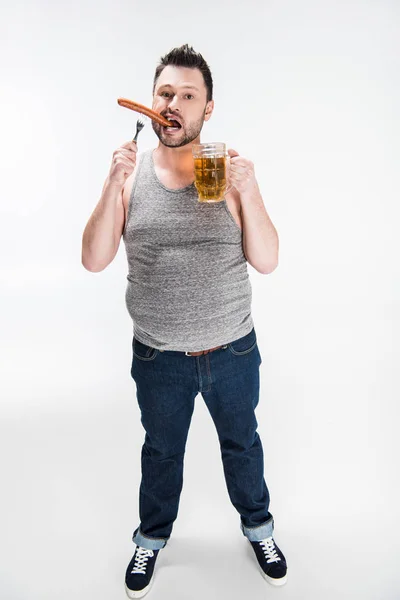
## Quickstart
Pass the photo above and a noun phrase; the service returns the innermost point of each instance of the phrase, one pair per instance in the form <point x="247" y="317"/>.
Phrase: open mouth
<point x="174" y="124"/>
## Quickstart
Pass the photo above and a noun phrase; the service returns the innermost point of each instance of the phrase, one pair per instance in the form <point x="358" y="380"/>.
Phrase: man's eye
<point x="191" y="95"/>
<point x="162" y="93"/>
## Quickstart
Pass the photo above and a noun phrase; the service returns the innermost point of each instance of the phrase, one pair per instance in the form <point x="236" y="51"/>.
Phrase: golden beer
<point x="210" y="171"/>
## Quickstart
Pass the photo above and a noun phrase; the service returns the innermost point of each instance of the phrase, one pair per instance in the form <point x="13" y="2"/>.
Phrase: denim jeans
<point x="167" y="382"/>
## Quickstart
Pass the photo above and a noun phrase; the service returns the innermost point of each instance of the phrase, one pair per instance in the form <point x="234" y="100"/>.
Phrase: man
<point x="189" y="296"/>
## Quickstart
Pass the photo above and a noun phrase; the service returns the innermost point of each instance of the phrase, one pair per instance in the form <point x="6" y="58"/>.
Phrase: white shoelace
<point x="142" y="555"/>
<point x="268" y="546"/>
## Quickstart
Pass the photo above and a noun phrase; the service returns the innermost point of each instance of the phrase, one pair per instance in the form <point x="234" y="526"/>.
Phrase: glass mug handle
<point x="230" y="186"/>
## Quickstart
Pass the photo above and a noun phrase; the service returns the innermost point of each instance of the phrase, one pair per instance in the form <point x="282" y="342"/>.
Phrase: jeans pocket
<point x="244" y="345"/>
<point x="143" y="351"/>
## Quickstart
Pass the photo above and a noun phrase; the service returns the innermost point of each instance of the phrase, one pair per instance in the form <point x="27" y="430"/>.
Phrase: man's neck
<point x="177" y="160"/>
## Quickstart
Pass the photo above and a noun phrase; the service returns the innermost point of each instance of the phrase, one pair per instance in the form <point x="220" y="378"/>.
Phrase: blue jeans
<point x="167" y="382"/>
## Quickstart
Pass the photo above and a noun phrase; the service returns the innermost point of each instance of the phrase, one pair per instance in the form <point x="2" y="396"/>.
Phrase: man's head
<point x="182" y="90"/>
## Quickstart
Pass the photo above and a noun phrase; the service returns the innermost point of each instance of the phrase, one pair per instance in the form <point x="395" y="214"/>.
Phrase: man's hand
<point x="123" y="163"/>
<point x="240" y="172"/>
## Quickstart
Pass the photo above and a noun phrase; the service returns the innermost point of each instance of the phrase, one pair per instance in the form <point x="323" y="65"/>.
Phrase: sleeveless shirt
<point x="188" y="286"/>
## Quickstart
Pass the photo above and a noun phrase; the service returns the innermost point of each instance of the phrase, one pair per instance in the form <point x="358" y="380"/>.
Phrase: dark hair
<point x="185" y="56"/>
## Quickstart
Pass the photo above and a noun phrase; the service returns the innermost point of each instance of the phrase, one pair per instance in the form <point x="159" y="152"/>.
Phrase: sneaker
<point x="139" y="573"/>
<point x="271" y="560"/>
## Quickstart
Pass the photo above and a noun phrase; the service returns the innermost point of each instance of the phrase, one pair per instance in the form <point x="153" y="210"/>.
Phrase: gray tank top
<point x="188" y="286"/>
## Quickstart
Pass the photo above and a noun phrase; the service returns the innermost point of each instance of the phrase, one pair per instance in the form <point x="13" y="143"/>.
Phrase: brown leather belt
<point x="202" y="351"/>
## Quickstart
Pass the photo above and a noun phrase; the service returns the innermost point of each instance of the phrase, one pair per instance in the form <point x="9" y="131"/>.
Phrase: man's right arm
<point x="102" y="234"/>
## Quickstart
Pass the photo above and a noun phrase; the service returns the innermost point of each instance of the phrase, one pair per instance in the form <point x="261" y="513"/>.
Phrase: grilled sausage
<point x="144" y="110"/>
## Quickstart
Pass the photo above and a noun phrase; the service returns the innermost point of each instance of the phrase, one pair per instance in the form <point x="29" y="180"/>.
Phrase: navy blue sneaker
<point x="271" y="560"/>
<point x="139" y="573"/>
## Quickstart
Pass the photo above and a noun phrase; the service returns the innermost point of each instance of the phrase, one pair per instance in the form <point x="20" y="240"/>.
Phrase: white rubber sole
<point x="272" y="580"/>
<point x="139" y="593"/>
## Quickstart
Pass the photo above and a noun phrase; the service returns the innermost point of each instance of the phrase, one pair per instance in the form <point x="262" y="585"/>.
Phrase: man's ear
<point x="209" y="110"/>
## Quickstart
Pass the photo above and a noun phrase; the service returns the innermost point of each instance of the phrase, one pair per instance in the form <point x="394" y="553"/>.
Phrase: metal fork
<point x="139" y="126"/>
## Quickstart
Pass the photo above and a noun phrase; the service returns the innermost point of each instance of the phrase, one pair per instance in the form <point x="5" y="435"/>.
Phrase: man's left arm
<point x="260" y="238"/>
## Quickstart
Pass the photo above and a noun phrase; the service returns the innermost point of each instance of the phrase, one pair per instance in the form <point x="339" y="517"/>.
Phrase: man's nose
<point x="174" y="104"/>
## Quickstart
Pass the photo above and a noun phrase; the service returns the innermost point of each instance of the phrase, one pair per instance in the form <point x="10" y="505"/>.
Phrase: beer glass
<point x="210" y="171"/>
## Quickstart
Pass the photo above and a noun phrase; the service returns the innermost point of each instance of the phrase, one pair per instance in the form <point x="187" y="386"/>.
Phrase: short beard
<point x="190" y="134"/>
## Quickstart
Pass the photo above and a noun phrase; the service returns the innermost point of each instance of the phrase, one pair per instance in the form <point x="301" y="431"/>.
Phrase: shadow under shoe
<point x="271" y="560"/>
<point x="140" y="571"/>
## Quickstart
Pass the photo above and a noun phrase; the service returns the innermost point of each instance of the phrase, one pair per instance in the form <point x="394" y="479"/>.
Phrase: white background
<point x="310" y="91"/>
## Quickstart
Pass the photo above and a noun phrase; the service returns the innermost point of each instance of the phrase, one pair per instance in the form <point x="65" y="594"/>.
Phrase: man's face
<point x="181" y="93"/>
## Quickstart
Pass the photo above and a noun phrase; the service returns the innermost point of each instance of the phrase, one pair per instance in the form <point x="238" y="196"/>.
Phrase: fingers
<point x="130" y="146"/>
<point x="126" y="152"/>
<point x="240" y="165"/>
<point x="125" y="159"/>
<point x="239" y="169"/>
<point x="123" y="162"/>
<point x="121" y="159"/>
